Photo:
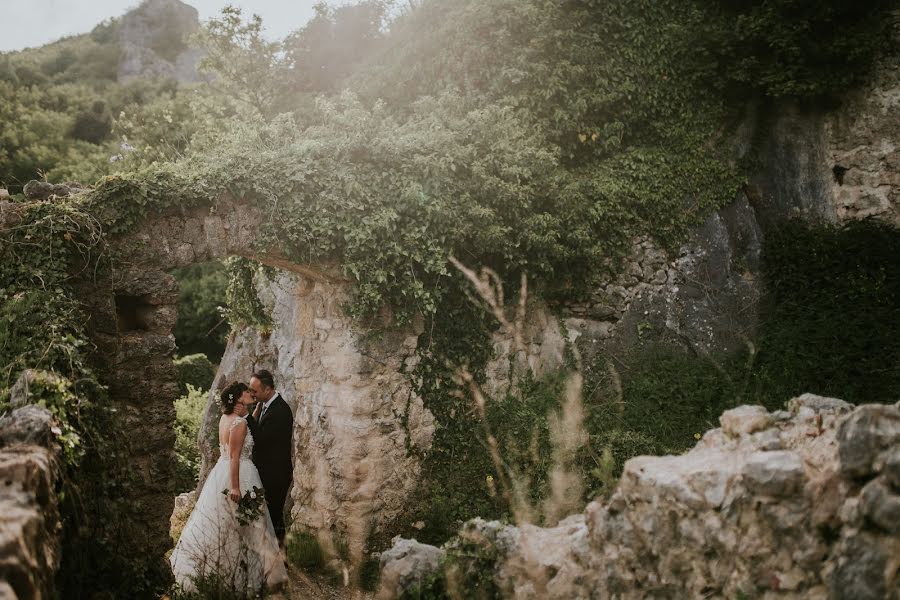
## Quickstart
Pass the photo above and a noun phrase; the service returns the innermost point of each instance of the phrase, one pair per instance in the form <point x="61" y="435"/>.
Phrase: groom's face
<point x="260" y="392"/>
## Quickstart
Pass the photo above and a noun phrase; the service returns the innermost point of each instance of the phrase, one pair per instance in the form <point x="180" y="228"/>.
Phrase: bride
<point x="214" y="543"/>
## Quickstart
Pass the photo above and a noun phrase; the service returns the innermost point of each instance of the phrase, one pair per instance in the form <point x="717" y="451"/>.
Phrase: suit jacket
<point x="272" y="445"/>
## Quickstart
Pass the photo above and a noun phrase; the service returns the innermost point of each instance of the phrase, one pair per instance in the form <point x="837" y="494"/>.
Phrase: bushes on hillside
<point x="194" y="370"/>
<point x="188" y="418"/>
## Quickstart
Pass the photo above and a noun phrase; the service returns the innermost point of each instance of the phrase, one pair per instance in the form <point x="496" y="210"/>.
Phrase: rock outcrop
<point x="29" y="517"/>
<point x="42" y="190"/>
<point x="406" y="565"/>
<point x="356" y="416"/>
<point x="153" y="38"/>
<point x="803" y="503"/>
<point x="703" y="299"/>
<point x="837" y="166"/>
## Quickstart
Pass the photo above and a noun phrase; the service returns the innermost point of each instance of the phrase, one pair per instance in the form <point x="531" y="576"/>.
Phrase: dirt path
<point x="316" y="587"/>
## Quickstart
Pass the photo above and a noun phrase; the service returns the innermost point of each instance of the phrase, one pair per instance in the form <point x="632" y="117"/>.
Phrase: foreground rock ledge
<point x="29" y="515"/>
<point x="803" y="503"/>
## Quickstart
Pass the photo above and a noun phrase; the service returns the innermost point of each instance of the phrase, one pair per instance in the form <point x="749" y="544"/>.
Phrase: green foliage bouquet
<point x="250" y="506"/>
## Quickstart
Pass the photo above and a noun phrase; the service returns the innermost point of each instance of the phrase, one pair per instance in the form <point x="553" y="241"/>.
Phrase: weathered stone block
<point x="29" y="518"/>
<point x="406" y="565"/>
<point x="745" y="420"/>
<point x="778" y="473"/>
<point x="867" y="438"/>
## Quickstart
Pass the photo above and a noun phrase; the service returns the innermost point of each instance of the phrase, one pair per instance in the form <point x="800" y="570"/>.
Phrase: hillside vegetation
<point x="533" y="136"/>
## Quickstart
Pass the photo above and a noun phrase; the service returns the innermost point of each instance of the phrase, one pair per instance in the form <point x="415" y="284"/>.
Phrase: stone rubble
<point x="29" y="515"/>
<point x="803" y="503"/>
<point x="409" y="561"/>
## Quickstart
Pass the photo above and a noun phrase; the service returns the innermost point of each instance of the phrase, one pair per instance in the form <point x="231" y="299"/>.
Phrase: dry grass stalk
<point x="567" y="433"/>
<point x="616" y="380"/>
<point x="567" y="437"/>
<point x="509" y="488"/>
<point x="489" y="288"/>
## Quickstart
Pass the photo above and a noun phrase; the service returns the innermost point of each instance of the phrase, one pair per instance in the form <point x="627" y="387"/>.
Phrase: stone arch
<point x="133" y="312"/>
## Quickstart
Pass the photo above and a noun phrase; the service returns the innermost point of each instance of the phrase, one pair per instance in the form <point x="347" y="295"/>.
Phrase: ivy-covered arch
<point x="132" y="309"/>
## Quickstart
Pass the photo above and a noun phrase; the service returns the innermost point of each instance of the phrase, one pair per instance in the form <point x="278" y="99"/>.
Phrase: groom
<point x="272" y="426"/>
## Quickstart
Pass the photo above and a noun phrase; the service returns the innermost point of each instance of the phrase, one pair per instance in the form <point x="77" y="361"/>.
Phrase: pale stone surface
<point x="544" y="350"/>
<point x="862" y="145"/>
<point x="870" y="438"/>
<point x="818" y="404"/>
<point x="744" y="420"/>
<point x="405" y="565"/>
<point x="703" y="297"/>
<point x="728" y="519"/>
<point x="356" y="416"/>
<point x="838" y="166"/>
<point x="552" y="559"/>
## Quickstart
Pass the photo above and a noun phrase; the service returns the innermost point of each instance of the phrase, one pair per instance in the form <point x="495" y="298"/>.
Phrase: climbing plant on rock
<point x="45" y="246"/>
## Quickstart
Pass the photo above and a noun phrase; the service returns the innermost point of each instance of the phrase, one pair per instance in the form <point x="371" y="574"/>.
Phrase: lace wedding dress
<point x="214" y="544"/>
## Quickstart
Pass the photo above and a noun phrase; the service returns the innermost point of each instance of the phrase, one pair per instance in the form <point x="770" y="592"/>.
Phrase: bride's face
<point x="246" y="398"/>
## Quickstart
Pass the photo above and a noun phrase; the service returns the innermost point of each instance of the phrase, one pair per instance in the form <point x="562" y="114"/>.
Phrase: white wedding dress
<point x="214" y="544"/>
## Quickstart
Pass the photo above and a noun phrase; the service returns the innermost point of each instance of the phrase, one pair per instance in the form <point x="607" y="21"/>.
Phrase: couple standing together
<point x="214" y="543"/>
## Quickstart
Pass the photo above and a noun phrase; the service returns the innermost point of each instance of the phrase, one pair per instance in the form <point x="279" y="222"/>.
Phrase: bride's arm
<point x="235" y="444"/>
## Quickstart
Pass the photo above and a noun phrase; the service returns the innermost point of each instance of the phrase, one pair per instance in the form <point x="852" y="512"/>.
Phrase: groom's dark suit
<point x="272" y="456"/>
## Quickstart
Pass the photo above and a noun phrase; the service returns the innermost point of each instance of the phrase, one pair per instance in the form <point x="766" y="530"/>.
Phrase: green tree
<point x="201" y="325"/>
<point x="801" y="49"/>
<point x="162" y="126"/>
<point x="325" y="51"/>
<point x="94" y="124"/>
<point x="246" y="66"/>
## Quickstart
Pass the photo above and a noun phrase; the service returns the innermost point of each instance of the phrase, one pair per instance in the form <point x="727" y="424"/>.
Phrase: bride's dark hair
<point x="230" y="396"/>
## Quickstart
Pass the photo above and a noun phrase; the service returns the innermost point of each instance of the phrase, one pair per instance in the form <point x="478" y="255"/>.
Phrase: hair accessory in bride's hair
<point x="229" y="397"/>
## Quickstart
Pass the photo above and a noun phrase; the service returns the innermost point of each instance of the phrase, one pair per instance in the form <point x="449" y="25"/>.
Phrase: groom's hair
<point x="265" y="378"/>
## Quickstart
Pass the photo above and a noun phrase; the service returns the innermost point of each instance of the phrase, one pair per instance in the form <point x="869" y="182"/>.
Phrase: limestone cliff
<point x="835" y="166"/>
<point x="356" y="416"/>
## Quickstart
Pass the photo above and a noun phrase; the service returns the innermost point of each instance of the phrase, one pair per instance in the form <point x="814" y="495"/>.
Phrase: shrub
<point x="188" y="418"/>
<point x="201" y="295"/>
<point x="194" y="370"/>
<point x="831" y="319"/>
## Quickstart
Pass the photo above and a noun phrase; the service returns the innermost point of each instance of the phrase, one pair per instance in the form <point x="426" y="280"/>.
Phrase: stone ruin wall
<point x="799" y="503"/>
<point x="838" y="166"/>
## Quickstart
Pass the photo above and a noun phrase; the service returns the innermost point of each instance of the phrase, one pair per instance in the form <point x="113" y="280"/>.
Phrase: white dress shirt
<point x="266" y="404"/>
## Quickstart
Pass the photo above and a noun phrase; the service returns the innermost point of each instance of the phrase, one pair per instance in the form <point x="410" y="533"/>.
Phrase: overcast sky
<point x="27" y="23"/>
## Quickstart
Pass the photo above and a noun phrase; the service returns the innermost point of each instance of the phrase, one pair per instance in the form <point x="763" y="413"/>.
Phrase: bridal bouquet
<point x="250" y="506"/>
